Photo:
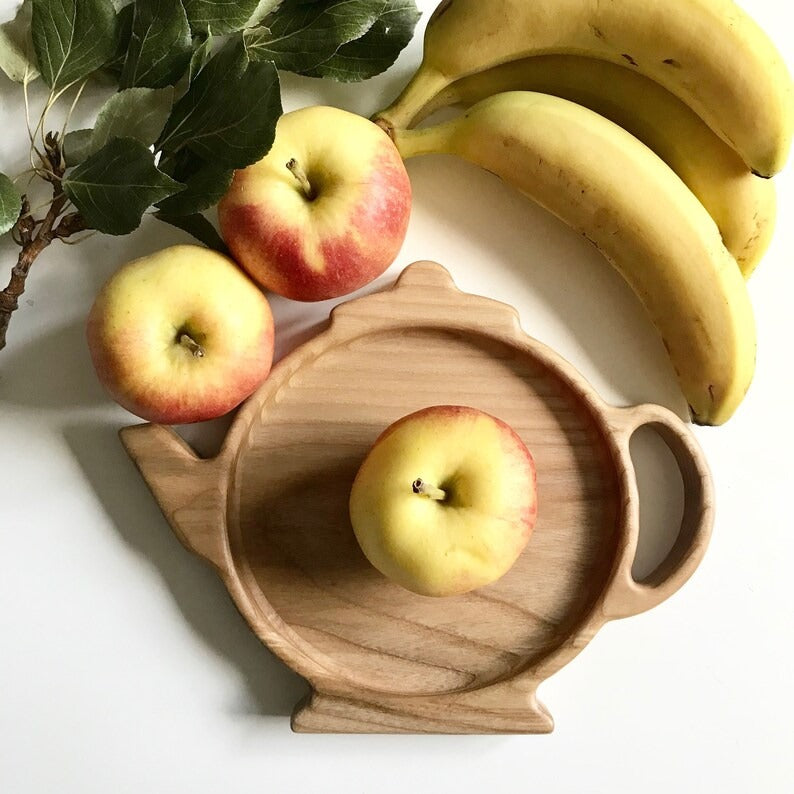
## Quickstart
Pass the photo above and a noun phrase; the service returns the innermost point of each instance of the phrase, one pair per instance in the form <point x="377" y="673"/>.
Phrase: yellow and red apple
<point x="325" y="212"/>
<point x="445" y="501"/>
<point x="181" y="335"/>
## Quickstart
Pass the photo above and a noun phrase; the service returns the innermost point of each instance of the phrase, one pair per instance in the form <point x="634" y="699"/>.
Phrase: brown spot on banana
<point x="629" y="59"/>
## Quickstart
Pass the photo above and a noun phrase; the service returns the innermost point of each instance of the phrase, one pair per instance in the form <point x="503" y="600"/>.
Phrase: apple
<point x="181" y="335"/>
<point x="325" y="212"/>
<point x="445" y="501"/>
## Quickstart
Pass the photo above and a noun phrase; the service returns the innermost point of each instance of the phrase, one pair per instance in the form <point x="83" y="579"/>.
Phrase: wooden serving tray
<point x="270" y="513"/>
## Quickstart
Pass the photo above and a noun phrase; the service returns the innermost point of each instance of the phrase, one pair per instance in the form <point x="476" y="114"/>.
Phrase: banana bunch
<point x="647" y="128"/>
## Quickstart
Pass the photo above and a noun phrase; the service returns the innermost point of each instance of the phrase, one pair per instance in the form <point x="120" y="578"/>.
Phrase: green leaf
<point x="16" y="46"/>
<point x="110" y="73"/>
<point x="10" y="204"/>
<point x="377" y="49"/>
<point x="160" y="45"/>
<point x="77" y="146"/>
<point x="197" y="226"/>
<point x="122" y="36"/>
<point x="114" y="186"/>
<point x="138" y="113"/>
<point x="222" y="16"/>
<point x="228" y="116"/>
<point x="262" y="10"/>
<point x="202" y="52"/>
<point x="302" y="35"/>
<point x="205" y="183"/>
<point x="72" y="38"/>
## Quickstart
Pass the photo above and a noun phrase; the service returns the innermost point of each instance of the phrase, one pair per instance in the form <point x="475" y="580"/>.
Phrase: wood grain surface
<point x="270" y="513"/>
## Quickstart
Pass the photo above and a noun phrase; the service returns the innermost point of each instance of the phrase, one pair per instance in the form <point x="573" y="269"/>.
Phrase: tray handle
<point x="190" y="491"/>
<point x="626" y="596"/>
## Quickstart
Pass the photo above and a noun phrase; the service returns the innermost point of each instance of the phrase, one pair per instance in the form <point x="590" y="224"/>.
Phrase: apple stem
<point x="192" y="345"/>
<point x="300" y="175"/>
<point x="419" y="486"/>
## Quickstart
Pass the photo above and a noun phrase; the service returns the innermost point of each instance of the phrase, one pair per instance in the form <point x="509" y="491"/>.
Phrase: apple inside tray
<point x="488" y="537"/>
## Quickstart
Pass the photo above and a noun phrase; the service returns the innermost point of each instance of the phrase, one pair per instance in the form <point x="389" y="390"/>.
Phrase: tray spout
<point x="190" y="491"/>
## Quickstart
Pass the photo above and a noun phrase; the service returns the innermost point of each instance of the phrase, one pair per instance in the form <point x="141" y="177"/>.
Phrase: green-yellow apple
<point x="325" y="212"/>
<point x="181" y="335"/>
<point x="445" y="501"/>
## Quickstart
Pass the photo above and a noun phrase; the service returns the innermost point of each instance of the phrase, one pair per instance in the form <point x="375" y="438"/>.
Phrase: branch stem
<point x="32" y="247"/>
<point x="73" y="106"/>
<point x="33" y="235"/>
<point x="9" y="297"/>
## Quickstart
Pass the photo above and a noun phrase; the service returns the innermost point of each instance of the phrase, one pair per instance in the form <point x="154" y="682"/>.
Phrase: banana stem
<point x="424" y="85"/>
<point x="430" y="140"/>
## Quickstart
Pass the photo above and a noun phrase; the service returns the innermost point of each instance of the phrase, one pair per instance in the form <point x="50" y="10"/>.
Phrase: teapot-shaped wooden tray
<point x="271" y="514"/>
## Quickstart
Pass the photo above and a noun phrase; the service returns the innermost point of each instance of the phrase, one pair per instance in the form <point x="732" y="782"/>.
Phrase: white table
<point x="124" y="666"/>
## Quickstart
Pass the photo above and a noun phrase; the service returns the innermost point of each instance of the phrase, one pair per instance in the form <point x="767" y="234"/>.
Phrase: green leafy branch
<point x="198" y="97"/>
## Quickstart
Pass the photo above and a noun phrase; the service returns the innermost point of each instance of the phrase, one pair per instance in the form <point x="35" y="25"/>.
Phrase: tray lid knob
<point x="425" y="294"/>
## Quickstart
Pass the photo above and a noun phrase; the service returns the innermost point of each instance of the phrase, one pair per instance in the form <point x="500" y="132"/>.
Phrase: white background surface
<point x="124" y="666"/>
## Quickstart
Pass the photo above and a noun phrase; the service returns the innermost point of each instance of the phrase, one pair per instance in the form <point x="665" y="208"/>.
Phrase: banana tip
<point x="703" y="421"/>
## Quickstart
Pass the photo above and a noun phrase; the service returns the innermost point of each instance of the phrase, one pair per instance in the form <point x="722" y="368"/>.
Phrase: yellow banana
<point x="742" y="205"/>
<point x="709" y="53"/>
<point x="600" y="180"/>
